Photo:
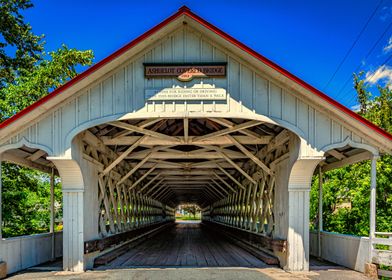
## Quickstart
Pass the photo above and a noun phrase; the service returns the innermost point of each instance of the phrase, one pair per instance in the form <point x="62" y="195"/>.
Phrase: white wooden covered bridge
<point x="186" y="113"/>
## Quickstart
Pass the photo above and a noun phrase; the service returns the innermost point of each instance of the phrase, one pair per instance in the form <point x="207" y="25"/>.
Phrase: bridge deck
<point x="189" y="245"/>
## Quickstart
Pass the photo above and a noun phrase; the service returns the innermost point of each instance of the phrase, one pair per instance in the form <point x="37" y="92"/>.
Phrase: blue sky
<point x="309" y="38"/>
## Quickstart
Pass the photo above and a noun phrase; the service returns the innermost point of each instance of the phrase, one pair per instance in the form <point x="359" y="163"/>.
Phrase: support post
<point x="303" y="162"/>
<point x="373" y="183"/>
<point x="73" y="213"/>
<point x="320" y="210"/>
<point x="52" y="212"/>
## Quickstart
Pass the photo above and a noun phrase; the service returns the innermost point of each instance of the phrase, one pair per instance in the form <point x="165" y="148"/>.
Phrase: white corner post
<point x="320" y="210"/>
<point x="73" y="233"/>
<point x="52" y="214"/>
<point x="304" y="160"/>
<point x="373" y="184"/>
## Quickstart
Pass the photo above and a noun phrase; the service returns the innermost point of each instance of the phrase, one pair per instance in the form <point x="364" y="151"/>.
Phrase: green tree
<point x="20" y="48"/>
<point x="26" y="197"/>
<point x="25" y="77"/>
<point x="45" y="76"/>
<point x="351" y="184"/>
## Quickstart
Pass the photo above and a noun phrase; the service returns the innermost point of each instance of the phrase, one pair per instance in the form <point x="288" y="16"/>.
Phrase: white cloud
<point x="383" y="73"/>
<point x="355" y="108"/>
<point x="388" y="47"/>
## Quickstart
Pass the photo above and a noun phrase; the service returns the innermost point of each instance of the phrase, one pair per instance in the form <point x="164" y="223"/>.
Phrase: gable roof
<point x="185" y="11"/>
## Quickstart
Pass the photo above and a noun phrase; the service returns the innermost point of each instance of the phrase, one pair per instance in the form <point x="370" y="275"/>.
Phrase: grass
<point x="189" y="218"/>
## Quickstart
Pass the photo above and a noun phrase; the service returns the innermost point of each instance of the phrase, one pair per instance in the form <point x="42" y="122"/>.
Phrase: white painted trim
<point x="24" y="142"/>
<point x="349" y="142"/>
<point x="86" y="125"/>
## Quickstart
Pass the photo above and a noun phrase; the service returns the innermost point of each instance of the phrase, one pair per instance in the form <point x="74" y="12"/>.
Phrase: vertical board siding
<point x="107" y="97"/>
<point x="249" y="92"/>
<point x="289" y="108"/>
<point x="261" y="95"/>
<point x="275" y="103"/>
<point x="119" y="91"/>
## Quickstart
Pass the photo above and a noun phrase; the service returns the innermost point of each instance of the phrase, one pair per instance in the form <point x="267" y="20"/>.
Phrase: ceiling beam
<point x="220" y="151"/>
<point x="347" y="161"/>
<point x="153" y="141"/>
<point x="227" y="123"/>
<point x="144" y="131"/>
<point x="234" y="128"/>
<point x="36" y="155"/>
<point x="153" y="187"/>
<point x="336" y="154"/>
<point x="149" y="182"/>
<point x="224" y="182"/>
<point x="250" y="155"/>
<point x="230" y="176"/>
<point x="186" y="155"/>
<point x="186" y="130"/>
<point x="222" y="188"/>
<point x="142" y="177"/>
<point x="216" y="190"/>
<point x="122" y="156"/>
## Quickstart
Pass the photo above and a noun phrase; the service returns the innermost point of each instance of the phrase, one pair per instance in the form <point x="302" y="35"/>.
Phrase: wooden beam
<point x="122" y="156"/>
<point x="228" y="130"/>
<point x="336" y="154"/>
<point x="160" y="188"/>
<point x="347" y="161"/>
<point x="224" y="182"/>
<point x="214" y="194"/>
<point x="213" y="188"/>
<point x="227" y="123"/>
<point x="250" y="155"/>
<point x="222" y="188"/>
<point x="144" y="160"/>
<point x="208" y="195"/>
<point x="220" y="151"/>
<point x="143" y="131"/>
<point x="183" y="165"/>
<point x="142" y="124"/>
<point x="133" y="170"/>
<point x="142" y="177"/>
<point x="153" y="187"/>
<point x="150" y="182"/>
<point x="185" y="155"/>
<point x="176" y="182"/>
<point x="186" y="130"/>
<point x="185" y="178"/>
<point x="167" y="195"/>
<point x="219" y="140"/>
<point x="148" y="122"/>
<point x="36" y="155"/>
<point x="168" y="163"/>
<point x="10" y="157"/>
<point x="182" y="172"/>
<point x="230" y="176"/>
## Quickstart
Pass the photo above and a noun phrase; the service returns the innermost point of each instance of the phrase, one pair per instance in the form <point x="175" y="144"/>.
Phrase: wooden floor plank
<point x="186" y="244"/>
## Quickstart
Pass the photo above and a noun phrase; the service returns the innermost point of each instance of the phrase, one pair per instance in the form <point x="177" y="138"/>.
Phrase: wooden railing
<point x="382" y="252"/>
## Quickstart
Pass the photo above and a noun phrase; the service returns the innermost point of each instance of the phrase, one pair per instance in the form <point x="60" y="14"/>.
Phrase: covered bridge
<point x="187" y="114"/>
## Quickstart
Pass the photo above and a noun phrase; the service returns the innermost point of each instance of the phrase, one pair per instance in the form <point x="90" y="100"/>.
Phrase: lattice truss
<point x="251" y="207"/>
<point x="148" y="167"/>
<point x="121" y="206"/>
